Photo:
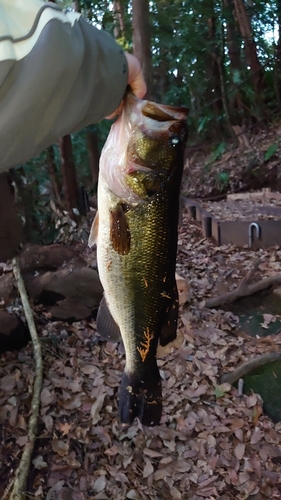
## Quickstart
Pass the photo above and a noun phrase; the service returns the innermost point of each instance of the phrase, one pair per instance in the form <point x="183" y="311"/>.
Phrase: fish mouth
<point x="155" y="111"/>
<point x="133" y="166"/>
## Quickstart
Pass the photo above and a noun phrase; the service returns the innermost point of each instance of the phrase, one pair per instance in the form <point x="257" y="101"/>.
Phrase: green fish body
<point x="136" y="232"/>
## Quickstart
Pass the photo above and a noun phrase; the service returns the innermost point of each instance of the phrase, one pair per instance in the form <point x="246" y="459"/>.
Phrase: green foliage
<point x="193" y="67"/>
<point x="223" y="180"/>
<point x="219" y="391"/>
<point x="270" y="151"/>
<point x="220" y="149"/>
<point x="203" y="123"/>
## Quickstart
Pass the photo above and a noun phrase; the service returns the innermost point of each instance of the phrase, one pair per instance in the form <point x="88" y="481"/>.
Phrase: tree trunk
<point x="119" y="28"/>
<point x="212" y="64"/>
<point x="234" y="53"/>
<point x="234" y="47"/>
<point x="141" y="40"/>
<point x="11" y="230"/>
<point x="94" y="155"/>
<point x="70" y="184"/>
<point x="53" y="174"/>
<point x="277" y="68"/>
<point x="250" y="46"/>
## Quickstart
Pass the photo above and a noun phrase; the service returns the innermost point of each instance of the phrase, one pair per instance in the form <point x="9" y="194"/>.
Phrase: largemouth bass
<point x="136" y="234"/>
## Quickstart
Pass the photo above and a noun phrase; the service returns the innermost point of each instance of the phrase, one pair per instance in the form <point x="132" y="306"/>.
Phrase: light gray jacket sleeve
<point x="57" y="77"/>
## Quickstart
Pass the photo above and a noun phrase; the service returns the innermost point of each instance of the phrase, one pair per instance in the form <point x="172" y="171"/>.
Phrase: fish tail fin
<point x="140" y="397"/>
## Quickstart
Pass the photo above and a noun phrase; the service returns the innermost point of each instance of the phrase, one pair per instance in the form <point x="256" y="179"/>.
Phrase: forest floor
<point x="211" y="171"/>
<point x="213" y="443"/>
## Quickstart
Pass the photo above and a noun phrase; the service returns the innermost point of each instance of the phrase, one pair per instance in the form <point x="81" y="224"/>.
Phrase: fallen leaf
<point x="22" y="440"/>
<point x="8" y="383"/>
<point x="54" y="490"/>
<point x="175" y="493"/>
<point x="60" y="447"/>
<point x="133" y="495"/>
<point x="47" y="397"/>
<point x="65" y="428"/>
<point x="111" y="452"/>
<point x="39" y="463"/>
<point x="99" y="484"/>
<point x="256" y="436"/>
<point x="148" y="469"/>
<point x="96" y="408"/>
<point x="239" y="451"/>
<point x="48" y="421"/>
<point x="152" y="453"/>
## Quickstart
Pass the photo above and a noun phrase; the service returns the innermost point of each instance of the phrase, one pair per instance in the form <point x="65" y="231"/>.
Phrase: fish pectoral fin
<point x="168" y="331"/>
<point x="94" y="231"/>
<point x="106" y="326"/>
<point x="120" y="235"/>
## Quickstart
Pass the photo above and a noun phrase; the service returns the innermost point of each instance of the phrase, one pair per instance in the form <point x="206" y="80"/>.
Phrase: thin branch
<point x="21" y="474"/>
<point x="250" y="273"/>
<point x="249" y="366"/>
<point x="243" y="290"/>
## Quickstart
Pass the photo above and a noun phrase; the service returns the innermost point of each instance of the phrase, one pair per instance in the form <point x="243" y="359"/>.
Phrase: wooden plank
<point x="237" y="233"/>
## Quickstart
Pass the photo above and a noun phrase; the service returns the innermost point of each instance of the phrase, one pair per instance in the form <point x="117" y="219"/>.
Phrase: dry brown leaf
<point x="239" y="451"/>
<point x="60" y="447"/>
<point x="39" y="463"/>
<point x="175" y="493"/>
<point x="48" y="421"/>
<point x="196" y="393"/>
<point x="148" y="469"/>
<point x="152" y="453"/>
<point x="65" y="428"/>
<point x="111" y="452"/>
<point x="96" y="408"/>
<point x="8" y="382"/>
<point x="47" y="397"/>
<point x="22" y="440"/>
<point x="256" y="436"/>
<point x="54" y="490"/>
<point x="252" y="400"/>
<point x="133" y="495"/>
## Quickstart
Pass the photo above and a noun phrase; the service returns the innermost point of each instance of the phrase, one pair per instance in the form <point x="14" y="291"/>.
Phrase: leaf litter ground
<point x="211" y="444"/>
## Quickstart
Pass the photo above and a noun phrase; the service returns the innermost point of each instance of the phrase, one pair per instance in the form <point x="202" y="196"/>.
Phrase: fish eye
<point x="175" y="140"/>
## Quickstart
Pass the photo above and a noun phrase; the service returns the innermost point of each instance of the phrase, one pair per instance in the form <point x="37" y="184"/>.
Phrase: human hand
<point x="135" y="76"/>
<point x="135" y="81"/>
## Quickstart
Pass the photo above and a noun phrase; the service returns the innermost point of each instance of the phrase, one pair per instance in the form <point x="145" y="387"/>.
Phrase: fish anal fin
<point x="106" y="326"/>
<point x="168" y="331"/>
<point x="119" y="229"/>
<point x="94" y="231"/>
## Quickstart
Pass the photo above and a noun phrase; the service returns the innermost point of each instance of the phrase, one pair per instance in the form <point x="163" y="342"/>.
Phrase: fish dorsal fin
<point x="106" y="326"/>
<point x="94" y="231"/>
<point x="120" y="235"/>
<point x="168" y="331"/>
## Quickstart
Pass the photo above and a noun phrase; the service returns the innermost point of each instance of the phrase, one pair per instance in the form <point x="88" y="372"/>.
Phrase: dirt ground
<point x="212" y="442"/>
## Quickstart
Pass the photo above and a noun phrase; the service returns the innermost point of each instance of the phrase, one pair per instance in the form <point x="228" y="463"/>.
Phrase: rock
<point x="48" y="258"/>
<point x="14" y="334"/>
<point x="7" y="289"/>
<point x="183" y="290"/>
<point x="71" y="294"/>
<point x="277" y="291"/>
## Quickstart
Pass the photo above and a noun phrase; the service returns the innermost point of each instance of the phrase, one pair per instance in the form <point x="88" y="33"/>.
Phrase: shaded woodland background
<point x="222" y="59"/>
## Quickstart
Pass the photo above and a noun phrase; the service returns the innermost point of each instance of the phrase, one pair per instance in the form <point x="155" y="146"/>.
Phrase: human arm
<point x="56" y="76"/>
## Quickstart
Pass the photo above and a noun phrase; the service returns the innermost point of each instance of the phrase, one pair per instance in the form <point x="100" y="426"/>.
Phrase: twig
<point x="243" y="290"/>
<point x="21" y="474"/>
<point x="249" y="366"/>
<point x="250" y="273"/>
